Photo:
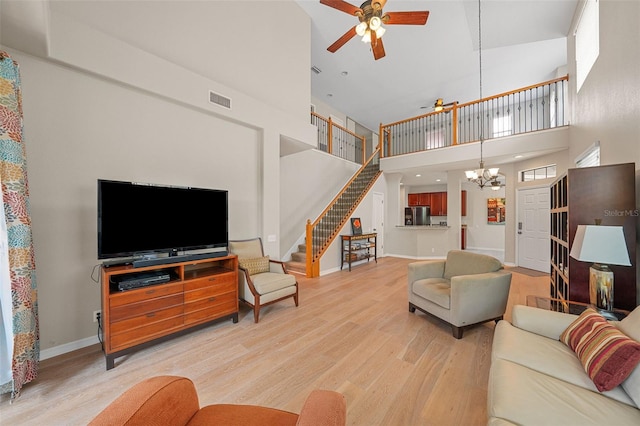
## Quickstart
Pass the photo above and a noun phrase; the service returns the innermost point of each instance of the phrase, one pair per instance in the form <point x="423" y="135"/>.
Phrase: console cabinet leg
<point x="110" y="362"/>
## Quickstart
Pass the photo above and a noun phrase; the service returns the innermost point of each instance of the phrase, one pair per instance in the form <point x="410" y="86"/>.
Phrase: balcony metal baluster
<point x="524" y="110"/>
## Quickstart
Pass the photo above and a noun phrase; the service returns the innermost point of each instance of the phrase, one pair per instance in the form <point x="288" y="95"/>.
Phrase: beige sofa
<point x="535" y="379"/>
<point x="465" y="289"/>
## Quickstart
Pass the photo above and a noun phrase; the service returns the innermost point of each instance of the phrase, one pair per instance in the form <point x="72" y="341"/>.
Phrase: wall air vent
<point x="218" y="99"/>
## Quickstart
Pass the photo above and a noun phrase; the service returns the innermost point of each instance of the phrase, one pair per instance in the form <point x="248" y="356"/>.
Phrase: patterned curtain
<point x="19" y="266"/>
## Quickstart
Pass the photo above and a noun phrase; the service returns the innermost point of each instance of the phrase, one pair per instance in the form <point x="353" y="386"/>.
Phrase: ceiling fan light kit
<point x="371" y="19"/>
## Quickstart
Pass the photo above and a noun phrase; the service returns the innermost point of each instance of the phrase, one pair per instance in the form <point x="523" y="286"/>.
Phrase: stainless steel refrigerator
<point x="417" y="216"/>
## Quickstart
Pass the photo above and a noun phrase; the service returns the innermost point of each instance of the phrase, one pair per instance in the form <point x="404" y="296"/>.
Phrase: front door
<point x="533" y="229"/>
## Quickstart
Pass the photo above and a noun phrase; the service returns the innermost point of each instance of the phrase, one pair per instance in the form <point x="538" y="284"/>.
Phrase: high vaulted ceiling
<point x="523" y="43"/>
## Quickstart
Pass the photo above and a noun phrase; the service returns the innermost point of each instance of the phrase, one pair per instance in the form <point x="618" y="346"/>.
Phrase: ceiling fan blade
<point x="342" y="40"/>
<point x="406" y="18"/>
<point x="342" y="6"/>
<point x="377" y="46"/>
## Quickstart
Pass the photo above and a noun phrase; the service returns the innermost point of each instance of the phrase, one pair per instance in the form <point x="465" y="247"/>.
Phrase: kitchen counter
<point x="423" y="227"/>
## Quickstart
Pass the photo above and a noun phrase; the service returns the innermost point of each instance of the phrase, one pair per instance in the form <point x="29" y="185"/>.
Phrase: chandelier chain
<point x="482" y="177"/>
<point x="480" y="76"/>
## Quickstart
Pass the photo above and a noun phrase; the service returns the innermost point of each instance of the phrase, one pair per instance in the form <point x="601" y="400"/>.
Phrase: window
<point x="545" y="172"/>
<point x="589" y="158"/>
<point x="587" y="37"/>
<point x="502" y="126"/>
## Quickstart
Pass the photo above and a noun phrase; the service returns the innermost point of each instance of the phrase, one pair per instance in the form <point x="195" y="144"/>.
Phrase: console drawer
<point x="147" y="306"/>
<point x="212" y="300"/>
<point x="210" y="312"/>
<point x="146" y="319"/>
<point x="212" y="280"/>
<point x="145" y="333"/>
<point x="211" y="291"/>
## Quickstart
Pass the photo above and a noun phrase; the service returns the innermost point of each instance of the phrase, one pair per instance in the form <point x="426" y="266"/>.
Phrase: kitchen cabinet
<point x="437" y="201"/>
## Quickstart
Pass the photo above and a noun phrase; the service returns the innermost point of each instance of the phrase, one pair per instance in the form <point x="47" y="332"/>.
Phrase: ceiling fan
<point x="439" y="105"/>
<point x="371" y="18"/>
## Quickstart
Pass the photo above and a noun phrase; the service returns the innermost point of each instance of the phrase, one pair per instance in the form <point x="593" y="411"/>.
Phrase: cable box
<point x="143" y="279"/>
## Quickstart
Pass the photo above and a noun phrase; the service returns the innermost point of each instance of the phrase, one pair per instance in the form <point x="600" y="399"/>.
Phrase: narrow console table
<point x="196" y="293"/>
<point x="358" y="247"/>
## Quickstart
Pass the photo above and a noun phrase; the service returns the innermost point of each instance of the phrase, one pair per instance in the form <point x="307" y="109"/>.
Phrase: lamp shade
<point x="600" y="244"/>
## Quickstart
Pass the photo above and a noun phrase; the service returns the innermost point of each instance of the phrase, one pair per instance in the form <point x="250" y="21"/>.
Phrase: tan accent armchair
<point x="173" y="400"/>
<point x="271" y="284"/>
<point x="465" y="289"/>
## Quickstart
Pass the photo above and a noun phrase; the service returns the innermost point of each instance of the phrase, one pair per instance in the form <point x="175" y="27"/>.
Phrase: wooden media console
<point x="197" y="293"/>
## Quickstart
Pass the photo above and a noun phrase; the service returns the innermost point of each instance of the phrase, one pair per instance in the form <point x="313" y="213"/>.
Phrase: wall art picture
<point x="496" y="211"/>
<point x="356" y="226"/>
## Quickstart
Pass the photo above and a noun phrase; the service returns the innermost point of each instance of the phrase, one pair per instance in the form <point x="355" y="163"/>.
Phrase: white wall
<point x="98" y="107"/>
<point x="79" y="128"/>
<point x="309" y="181"/>
<point x="481" y="234"/>
<point x="608" y="105"/>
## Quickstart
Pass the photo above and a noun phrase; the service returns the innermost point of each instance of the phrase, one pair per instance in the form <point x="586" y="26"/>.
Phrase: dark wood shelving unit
<point x="579" y="197"/>
<point x="358" y="247"/>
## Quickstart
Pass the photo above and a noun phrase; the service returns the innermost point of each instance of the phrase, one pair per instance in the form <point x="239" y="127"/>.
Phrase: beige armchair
<point x="465" y="289"/>
<point x="262" y="281"/>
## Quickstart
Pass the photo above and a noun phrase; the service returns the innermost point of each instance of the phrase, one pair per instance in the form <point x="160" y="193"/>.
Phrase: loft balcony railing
<point x="524" y="110"/>
<point x="338" y="140"/>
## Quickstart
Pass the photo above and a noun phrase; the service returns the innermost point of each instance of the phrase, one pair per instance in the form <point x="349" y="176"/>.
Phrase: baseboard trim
<point x="403" y="256"/>
<point x="68" y="347"/>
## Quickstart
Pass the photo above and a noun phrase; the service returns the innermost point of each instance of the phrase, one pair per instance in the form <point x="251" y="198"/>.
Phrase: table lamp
<point x="603" y="245"/>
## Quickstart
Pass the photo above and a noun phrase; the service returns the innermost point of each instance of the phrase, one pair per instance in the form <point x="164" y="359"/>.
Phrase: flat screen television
<point x="137" y="219"/>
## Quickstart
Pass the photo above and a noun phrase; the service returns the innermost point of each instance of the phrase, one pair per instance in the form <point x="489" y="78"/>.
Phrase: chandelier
<point x="482" y="176"/>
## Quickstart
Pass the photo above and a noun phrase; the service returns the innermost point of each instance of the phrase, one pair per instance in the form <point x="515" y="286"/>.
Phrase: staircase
<point x="326" y="227"/>
<point x="298" y="262"/>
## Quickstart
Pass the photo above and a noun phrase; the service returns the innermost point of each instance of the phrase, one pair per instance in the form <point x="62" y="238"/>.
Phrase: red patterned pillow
<point x="607" y="355"/>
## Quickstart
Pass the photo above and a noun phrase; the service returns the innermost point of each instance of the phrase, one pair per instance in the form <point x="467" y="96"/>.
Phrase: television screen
<point x="136" y="219"/>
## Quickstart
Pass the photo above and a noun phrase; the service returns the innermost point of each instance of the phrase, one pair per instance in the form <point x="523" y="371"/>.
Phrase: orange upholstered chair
<point x="171" y="400"/>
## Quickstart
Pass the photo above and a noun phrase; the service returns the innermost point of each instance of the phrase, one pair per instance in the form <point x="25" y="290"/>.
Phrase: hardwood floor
<point x="352" y="333"/>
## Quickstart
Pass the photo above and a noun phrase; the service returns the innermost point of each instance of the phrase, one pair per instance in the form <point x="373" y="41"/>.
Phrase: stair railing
<point x="321" y="233"/>
<point x="338" y="140"/>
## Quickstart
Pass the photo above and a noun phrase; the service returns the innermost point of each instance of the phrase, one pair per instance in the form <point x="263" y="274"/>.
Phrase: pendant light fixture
<point x="482" y="176"/>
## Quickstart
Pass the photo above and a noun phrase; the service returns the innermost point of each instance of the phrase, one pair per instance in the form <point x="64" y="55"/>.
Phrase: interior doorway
<point x="378" y="221"/>
<point x="532" y="229"/>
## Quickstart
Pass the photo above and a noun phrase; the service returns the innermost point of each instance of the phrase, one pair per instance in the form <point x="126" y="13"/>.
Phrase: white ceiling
<point x="523" y="43"/>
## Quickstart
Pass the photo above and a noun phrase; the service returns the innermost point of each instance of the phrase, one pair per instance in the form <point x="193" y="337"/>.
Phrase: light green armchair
<point x="262" y="281"/>
<point x="465" y="289"/>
